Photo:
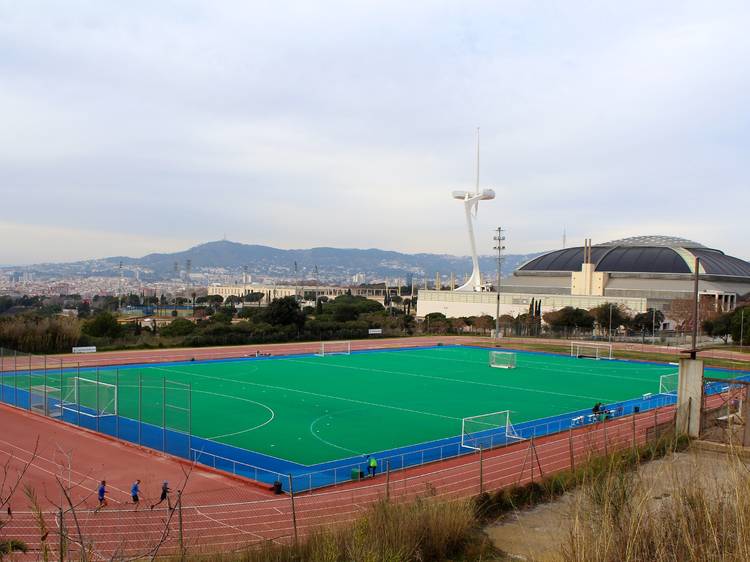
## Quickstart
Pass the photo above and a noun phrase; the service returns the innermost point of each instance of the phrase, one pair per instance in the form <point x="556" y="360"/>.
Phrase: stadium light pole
<point x="610" y="323"/>
<point x="499" y="239"/>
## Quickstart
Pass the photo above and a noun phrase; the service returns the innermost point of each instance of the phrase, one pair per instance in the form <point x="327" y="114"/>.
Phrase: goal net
<point x="90" y="397"/>
<point x="45" y="400"/>
<point x="486" y="431"/>
<point x="590" y="350"/>
<point x="335" y="348"/>
<point x="502" y="359"/>
<point x="668" y="383"/>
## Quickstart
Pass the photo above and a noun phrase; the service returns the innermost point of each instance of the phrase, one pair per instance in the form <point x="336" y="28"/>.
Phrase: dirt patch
<point x="539" y="533"/>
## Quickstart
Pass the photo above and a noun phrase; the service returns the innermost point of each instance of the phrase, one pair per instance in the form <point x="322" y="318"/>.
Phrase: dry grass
<point x="618" y="519"/>
<point x="424" y="530"/>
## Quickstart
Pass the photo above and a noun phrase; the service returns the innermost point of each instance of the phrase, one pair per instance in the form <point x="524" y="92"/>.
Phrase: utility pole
<point x="119" y="287"/>
<point x="694" y="349"/>
<point x="742" y="326"/>
<point x="499" y="239"/>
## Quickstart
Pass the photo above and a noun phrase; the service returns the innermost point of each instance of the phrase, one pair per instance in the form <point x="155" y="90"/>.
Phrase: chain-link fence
<point x="106" y="400"/>
<point x="142" y="407"/>
<point x="725" y="410"/>
<point x="220" y="520"/>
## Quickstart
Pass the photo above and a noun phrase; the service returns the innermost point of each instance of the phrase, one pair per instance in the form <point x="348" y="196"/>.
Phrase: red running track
<point x="224" y="512"/>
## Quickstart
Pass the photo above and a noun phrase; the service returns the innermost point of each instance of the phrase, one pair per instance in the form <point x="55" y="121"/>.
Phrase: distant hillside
<point x="332" y="263"/>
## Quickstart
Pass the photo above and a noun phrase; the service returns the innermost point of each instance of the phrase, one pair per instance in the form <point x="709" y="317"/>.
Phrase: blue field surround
<point x="294" y="476"/>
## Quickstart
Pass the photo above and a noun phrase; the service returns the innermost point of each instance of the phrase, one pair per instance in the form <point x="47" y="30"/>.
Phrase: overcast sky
<point x="141" y="126"/>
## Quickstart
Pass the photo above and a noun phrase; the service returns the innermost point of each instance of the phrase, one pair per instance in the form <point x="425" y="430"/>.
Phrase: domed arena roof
<point x="643" y="254"/>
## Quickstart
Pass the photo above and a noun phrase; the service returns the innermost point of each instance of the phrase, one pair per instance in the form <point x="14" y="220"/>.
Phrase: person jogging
<point x="102" y="495"/>
<point x="135" y="491"/>
<point x="164" y="495"/>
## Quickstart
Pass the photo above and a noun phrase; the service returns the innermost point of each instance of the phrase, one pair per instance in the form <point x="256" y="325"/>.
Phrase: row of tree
<point x="735" y="324"/>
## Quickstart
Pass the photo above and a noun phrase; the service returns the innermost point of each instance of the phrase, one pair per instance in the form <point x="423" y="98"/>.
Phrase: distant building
<point x="271" y="292"/>
<point x="639" y="273"/>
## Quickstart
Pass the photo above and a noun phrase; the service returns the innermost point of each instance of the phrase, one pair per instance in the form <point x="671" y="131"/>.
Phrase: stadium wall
<point x="455" y="304"/>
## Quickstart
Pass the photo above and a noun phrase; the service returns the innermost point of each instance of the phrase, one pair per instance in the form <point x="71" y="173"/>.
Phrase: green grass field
<point x="316" y="409"/>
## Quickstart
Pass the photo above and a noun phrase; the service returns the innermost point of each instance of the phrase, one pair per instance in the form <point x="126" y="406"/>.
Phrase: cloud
<point x="344" y="124"/>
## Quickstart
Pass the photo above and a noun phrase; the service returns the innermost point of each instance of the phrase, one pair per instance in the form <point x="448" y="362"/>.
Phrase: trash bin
<point x="277" y="487"/>
<point x="357" y="474"/>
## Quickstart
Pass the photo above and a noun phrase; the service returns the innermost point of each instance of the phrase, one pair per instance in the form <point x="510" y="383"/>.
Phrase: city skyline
<point x="139" y="128"/>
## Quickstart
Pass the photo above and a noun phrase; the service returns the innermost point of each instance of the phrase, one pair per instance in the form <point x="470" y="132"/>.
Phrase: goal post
<point x="668" y="384"/>
<point x="502" y="359"/>
<point x="334" y="348"/>
<point x="590" y="350"/>
<point x="90" y="397"/>
<point x="486" y="431"/>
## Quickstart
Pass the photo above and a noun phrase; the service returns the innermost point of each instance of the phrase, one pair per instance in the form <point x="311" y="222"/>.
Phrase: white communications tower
<point x="471" y="205"/>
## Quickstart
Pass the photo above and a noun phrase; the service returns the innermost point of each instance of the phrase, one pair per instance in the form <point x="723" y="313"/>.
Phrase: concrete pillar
<point x="689" y="397"/>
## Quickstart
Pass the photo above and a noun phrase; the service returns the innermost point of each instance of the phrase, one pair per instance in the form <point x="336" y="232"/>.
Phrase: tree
<point x="103" y="325"/>
<point x="214" y="299"/>
<point x="645" y="322"/>
<point x="284" y="311"/>
<point x="254" y="297"/>
<point x="84" y="309"/>
<point x="232" y="299"/>
<point x="619" y="315"/>
<point x="345" y="312"/>
<point x="484" y="323"/>
<point x="719" y="327"/>
<point x="407" y="306"/>
<point x="569" y="317"/>
<point x="179" y="327"/>
<point x="223" y="315"/>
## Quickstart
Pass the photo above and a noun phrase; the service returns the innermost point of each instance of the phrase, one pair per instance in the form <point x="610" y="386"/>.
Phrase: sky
<point x="135" y="127"/>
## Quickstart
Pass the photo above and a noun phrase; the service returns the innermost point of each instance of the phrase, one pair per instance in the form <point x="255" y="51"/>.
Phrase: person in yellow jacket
<point x="372" y="465"/>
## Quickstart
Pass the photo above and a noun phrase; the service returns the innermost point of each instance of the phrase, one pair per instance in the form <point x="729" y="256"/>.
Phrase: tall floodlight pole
<point x="742" y="326"/>
<point x="694" y="350"/>
<point x="499" y="239"/>
<point x="610" y="323"/>
<point x="471" y="204"/>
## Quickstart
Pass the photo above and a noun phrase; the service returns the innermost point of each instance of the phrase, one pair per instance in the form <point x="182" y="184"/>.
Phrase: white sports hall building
<point x="640" y="273"/>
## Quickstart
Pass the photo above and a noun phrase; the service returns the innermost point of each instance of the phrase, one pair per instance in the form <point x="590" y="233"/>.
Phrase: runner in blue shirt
<point x="102" y="494"/>
<point x="134" y="492"/>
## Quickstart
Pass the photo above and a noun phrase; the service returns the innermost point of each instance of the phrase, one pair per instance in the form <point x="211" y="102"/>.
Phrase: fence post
<point x="117" y="403"/>
<point x="15" y="378"/>
<point x="604" y="428"/>
<point x="294" y="511"/>
<point x="61" y="548"/>
<point x="77" y="391"/>
<point x="531" y="448"/>
<point x="62" y="392"/>
<point x="96" y="389"/>
<point x="164" y="414"/>
<point x="179" y="525"/>
<point x="481" y="471"/>
<point x="635" y="443"/>
<point x="570" y="447"/>
<point x="388" y="480"/>
<point x="140" y="404"/>
<point x="190" y="419"/>
<point x="656" y="419"/>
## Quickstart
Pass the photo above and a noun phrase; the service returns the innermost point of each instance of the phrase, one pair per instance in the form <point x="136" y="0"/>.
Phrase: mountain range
<point x="327" y="264"/>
